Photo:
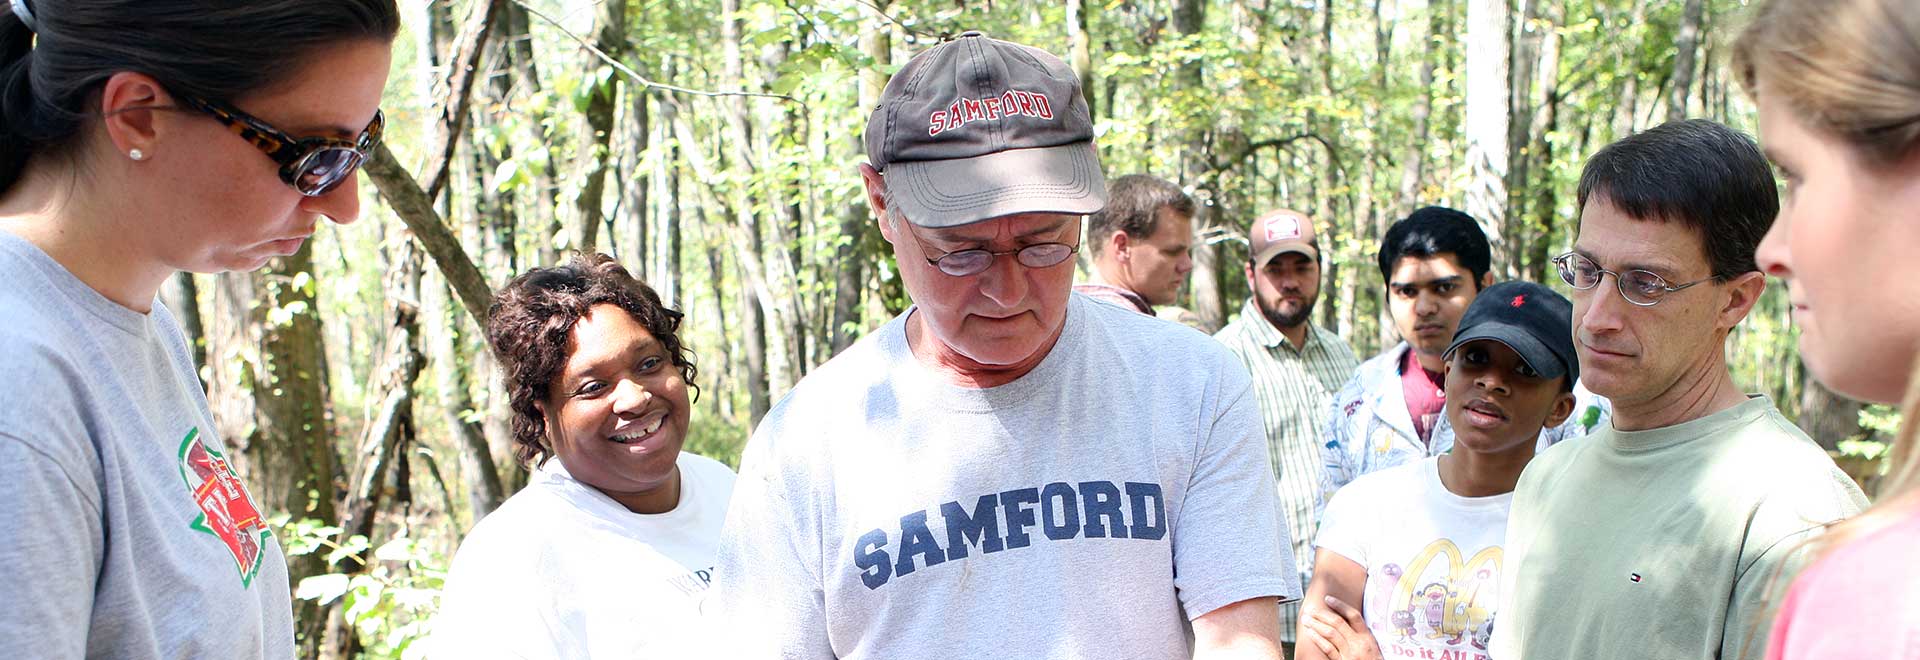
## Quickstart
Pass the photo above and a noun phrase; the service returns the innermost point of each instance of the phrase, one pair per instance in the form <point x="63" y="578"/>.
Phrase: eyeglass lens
<point x="325" y="169"/>
<point x="969" y="262"/>
<point x="1637" y="285"/>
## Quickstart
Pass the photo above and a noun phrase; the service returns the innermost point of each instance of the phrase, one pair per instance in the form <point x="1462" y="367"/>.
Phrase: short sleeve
<point x="1231" y="543"/>
<point x="1336" y="468"/>
<point x="1341" y="530"/>
<point x="767" y="599"/>
<point x="50" y="555"/>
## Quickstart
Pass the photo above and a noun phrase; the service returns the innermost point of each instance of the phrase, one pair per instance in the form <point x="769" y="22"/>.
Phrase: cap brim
<point x="1535" y="353"/>
<point x="961" y="191"/>
<point x="1277" y="250"/>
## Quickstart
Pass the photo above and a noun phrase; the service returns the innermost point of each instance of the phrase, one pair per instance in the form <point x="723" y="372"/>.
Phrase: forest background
<point x="711" y="147"/>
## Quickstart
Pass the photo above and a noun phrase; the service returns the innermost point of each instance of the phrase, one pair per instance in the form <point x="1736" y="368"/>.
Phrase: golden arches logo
<point x="1460" y="611"/>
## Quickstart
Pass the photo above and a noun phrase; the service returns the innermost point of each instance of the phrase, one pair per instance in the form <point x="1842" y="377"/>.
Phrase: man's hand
<point x="1339" y="631"/>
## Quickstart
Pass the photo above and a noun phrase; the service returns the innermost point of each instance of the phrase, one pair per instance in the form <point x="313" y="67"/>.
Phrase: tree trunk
<point x="1209" y="303"/>
<point x="856" y="226"/>
<point x="484" y="489"/>
<point x="182" y="296"/>
<point x="596" y="137"/>
<point x="277" y="416"/>
<point x="639" y="252"/>
<point x="1079" y="51"/>
<point x="1626" y="119"/>
<point x="1486" y="124"/>
<point x="383" y="448"/>
<point x="1685" y="44"/>
<point x="1826" y="416"/>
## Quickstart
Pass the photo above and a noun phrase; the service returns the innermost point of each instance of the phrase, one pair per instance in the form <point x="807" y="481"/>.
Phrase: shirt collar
<point x="1269" y="336"/>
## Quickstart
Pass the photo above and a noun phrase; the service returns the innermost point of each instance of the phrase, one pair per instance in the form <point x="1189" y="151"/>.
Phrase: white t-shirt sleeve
<point x="1341" y="529"/>
<point x="1219" y="557"/>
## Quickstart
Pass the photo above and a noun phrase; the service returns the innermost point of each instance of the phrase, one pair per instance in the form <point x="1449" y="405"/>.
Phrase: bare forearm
<point x="1249" y="629"/>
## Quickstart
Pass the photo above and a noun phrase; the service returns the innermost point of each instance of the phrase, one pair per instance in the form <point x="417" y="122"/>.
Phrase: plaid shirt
<point x="1295" y="388"/>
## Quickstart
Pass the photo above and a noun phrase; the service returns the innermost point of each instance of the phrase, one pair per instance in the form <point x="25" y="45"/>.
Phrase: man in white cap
<point x="1007" y="469"/>
<point x="1296" y="368"/>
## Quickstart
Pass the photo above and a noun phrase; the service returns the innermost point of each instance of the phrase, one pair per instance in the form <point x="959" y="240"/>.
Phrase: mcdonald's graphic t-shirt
<point x="1433" y="559"/>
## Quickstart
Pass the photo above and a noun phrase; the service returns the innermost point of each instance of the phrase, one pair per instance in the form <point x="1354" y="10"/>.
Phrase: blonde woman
<point x="1838" y="86"/>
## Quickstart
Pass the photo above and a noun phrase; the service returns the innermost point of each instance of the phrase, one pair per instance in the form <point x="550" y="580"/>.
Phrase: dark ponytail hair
<point x="214" y="49"/>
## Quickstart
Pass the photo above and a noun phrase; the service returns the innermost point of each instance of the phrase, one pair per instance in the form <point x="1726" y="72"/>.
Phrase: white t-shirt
<point x="563" y="571"/>
<point x="1433" y="559"/>
<point x="1089" y="509"/>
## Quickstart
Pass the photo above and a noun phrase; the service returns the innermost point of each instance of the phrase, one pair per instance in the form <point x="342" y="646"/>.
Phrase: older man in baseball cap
<point x="1007" y="469"/>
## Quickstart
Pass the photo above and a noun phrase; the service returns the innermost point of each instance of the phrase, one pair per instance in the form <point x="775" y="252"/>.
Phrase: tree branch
<point x="461" y="67"/>
<point x="635" y="75"/>
<point x="415" y="208"/>
<point x="1235" y="160"/>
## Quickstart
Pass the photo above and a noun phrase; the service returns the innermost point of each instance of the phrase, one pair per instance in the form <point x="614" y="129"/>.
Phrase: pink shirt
<point x="1862" y="600"/>
<point x="1426" y="400"/>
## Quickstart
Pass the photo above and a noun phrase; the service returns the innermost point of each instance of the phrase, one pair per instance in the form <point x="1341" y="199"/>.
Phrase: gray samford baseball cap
<point x="977" y="128"/>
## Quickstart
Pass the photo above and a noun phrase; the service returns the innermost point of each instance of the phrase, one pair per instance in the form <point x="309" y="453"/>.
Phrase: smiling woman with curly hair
<point x="608" y="550"/>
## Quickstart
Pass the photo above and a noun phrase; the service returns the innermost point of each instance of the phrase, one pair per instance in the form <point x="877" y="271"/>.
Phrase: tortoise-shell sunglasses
<point x="315" y="165"/>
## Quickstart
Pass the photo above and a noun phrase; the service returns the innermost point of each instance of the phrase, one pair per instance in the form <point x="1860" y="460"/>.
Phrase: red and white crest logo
<point x="227" y="510"/>
<point x="1282" y="228"/>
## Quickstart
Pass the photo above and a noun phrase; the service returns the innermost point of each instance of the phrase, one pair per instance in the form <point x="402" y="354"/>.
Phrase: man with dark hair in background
<point x="1141" y="243"/>
<point x="1434" y="263"/>
<point x="1661" y="535"/>
<point x="1296" y="368"/>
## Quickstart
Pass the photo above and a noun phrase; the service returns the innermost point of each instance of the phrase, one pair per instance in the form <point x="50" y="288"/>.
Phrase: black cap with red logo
<point x="1530" y="319"/>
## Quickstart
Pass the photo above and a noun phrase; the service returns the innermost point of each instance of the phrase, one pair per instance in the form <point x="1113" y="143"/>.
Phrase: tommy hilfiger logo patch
<point x="227" y="510"/>
<point x="1633" y="577"/>
<point x="1014" y="103"/>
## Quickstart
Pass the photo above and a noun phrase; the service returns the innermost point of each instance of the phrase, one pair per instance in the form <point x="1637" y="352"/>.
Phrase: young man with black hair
<point x="1434" y="263"/>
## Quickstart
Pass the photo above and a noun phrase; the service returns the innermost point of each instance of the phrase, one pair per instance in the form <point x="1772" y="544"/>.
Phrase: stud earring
<point x="137" y="154"/>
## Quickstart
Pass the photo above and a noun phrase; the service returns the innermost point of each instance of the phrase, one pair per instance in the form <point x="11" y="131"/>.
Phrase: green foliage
<point x="389" y="598"/>
<point x="1268" y="105"/>
<point x="1881" y="419"/>
<point x="719" y="439"/>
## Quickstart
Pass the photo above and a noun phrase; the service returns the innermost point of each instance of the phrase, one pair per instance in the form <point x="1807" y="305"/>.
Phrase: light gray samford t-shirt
<point x="1089" y="509"/>
<point x="127" y="533"/>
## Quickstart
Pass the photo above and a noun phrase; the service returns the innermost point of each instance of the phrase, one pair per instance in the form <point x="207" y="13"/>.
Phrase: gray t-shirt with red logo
<point x="1090" y="509"/>
<point x="127" y="531"/>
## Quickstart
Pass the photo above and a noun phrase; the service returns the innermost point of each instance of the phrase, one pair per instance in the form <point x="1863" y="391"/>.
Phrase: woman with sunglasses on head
<point x="1838" y="87"/>
<point x="140" y="138"/>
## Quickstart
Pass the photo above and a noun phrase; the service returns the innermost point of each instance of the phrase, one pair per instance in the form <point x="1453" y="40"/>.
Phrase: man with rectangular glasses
<point x="1668" y="533"/>
<point x="1007" y="469"/>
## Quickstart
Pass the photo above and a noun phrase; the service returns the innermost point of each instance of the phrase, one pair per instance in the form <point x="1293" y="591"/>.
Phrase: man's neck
<point x="961" y="371"/>
<point x="1431" y="363"/>
<point x="1107" y="273"/>
<point x="1701" y="391"/>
